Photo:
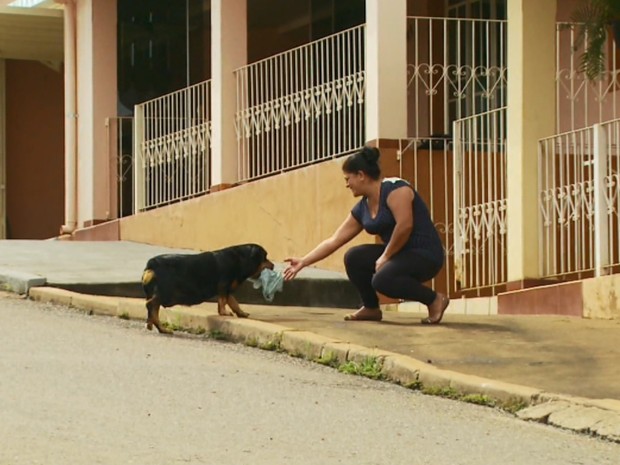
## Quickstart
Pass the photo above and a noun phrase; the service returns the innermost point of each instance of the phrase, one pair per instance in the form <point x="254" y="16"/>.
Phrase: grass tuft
<point x="218" y="335"/>
<point x="272" y="345"/>
<point x="369" y="368"/>
<point x="329" y="359"/>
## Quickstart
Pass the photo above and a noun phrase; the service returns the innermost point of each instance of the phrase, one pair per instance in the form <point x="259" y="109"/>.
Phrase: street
<point x="80" y="389"/>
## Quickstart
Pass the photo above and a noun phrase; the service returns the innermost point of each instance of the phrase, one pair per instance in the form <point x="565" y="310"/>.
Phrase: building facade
<point x="207" y="122"/>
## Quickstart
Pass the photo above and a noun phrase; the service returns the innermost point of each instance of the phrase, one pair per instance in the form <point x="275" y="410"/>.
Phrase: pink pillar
<point x="96" y="101"/>
<point x="386" y="69"/>
<point x="229" y="52"/>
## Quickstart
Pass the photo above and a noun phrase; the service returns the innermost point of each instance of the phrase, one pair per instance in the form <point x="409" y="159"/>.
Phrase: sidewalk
<point x="115" y="268"/>
<point x="564" y="368"/>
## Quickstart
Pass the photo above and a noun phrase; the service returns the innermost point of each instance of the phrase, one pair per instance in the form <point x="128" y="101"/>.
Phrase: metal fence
<point x="456" y="68"/>
<point x="173" y="147"/>
<point x="579" y="185"/>
<point x="301" y="106"/>
<point x="580" y="102"/>
<point x="480" y="204"/>
<point x="120" y="156"/>
<point x="457" y="84"/>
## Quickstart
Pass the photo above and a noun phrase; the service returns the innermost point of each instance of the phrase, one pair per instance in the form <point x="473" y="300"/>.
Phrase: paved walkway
<point x="115" y="268"/>
<point x="559" y="355"/>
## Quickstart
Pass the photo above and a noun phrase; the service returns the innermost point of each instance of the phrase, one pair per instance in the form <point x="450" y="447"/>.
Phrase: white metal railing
<point x="579" y="188"/>
<point x="456" y="68"/>
<point x="120" y="156"/>
<point x="173" y="147"/>
<point x="480" y="205"/>
<point x="582" y="103"/>
<point x="301" y="106"/>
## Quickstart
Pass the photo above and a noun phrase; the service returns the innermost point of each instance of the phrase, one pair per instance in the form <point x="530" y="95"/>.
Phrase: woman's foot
<point x="365" y="314"/>
<point x="436" y="310"/>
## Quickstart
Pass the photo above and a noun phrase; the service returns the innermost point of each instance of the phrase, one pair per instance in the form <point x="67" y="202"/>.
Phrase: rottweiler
<point x="190" y="279"/>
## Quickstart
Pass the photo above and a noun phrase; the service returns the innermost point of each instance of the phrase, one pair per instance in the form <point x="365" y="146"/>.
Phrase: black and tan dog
<point x="190" y="279"/>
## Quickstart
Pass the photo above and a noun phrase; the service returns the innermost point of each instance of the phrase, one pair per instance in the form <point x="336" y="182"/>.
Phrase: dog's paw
<point x="149" y="326"/>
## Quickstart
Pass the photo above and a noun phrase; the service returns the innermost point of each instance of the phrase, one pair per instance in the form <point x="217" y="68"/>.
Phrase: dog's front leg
<point x="232" y="303"/>
<point x="221" y="306"/>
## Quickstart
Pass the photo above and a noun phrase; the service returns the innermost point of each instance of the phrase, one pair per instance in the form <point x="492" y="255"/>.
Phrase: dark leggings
<point x="400" y="278"/>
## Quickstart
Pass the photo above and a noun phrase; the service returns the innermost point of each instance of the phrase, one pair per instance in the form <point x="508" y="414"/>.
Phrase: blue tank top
<point x="424" y="238"/>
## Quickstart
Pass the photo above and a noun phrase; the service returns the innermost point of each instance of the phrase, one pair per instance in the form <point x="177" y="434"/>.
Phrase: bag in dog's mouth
<point x="271" y="281"/>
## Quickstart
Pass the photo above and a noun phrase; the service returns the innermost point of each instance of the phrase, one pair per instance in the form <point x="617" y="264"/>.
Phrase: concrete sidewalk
<point x="115" y="268"/>
<point x="566" y="369"/>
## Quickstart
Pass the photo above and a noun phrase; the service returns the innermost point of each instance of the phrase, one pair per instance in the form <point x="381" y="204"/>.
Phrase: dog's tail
<point x="149" y="283"/>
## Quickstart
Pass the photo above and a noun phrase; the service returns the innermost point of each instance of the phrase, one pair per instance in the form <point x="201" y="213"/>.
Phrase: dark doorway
<point x="163" y="46"/>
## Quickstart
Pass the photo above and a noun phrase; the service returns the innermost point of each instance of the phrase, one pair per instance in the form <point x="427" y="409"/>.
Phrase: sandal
<point x="363" y="314"/>
<point x="444" y="306"/>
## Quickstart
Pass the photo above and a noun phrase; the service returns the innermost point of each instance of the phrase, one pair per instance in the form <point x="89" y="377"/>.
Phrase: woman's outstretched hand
<point x="294" y="267"/>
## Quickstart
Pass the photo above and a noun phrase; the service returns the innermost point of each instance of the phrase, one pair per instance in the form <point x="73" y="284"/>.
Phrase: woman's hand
<point x="382" y="260"/>
<point x="345" y="232"/>
<point x="295" y="266"/>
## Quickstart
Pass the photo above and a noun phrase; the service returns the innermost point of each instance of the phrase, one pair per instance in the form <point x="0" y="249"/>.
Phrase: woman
<point x="411" y="252"/>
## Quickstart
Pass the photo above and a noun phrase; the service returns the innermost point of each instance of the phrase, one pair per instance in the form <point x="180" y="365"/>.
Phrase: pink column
<point x="96" y="101"/>
<point x="386" y="69"/>
<point x="229" y="52"/>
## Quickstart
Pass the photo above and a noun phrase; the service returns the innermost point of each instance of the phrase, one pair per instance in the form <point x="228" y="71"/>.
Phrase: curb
<point x="598" y="417"/>
<point x="305" y="292"/>
<point x="19" y="281"/>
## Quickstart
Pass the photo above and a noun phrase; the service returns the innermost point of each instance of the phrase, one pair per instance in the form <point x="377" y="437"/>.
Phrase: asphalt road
<point x="79" y="389"/>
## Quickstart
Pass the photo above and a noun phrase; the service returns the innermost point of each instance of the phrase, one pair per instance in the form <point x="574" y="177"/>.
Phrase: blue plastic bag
<point x="271" y="281"/>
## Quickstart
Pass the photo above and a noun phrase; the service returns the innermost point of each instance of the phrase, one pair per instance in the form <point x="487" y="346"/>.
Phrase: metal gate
<point x="480" y="205"/>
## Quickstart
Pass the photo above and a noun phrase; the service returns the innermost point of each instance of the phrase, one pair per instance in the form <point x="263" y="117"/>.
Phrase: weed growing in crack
<point x="370" y="367"/>
<point x="329" y="359"/>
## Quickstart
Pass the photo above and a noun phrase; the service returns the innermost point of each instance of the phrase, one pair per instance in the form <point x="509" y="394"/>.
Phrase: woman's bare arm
<point x="345" y="232"/>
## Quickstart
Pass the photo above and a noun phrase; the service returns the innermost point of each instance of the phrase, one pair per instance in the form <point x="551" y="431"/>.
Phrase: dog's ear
<point x="258" y="253"/>
<point x="251" y="260"/>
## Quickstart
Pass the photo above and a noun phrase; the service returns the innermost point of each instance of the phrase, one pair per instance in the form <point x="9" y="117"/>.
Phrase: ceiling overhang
<point x="31" y="34"/>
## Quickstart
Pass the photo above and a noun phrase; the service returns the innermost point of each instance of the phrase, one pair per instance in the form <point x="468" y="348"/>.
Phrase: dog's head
<point x="254" y="260"/>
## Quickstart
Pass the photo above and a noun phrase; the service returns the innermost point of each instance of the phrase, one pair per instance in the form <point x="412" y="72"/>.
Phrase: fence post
<point x="542" y="186"/>
<point x="138" y="159"/>
<point x="601" y="225"/>
<point x="457" y="171"/>
<point x="111" y="127"/>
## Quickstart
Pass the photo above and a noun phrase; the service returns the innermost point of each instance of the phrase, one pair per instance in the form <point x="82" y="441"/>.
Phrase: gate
<point x="480" y="204"/>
